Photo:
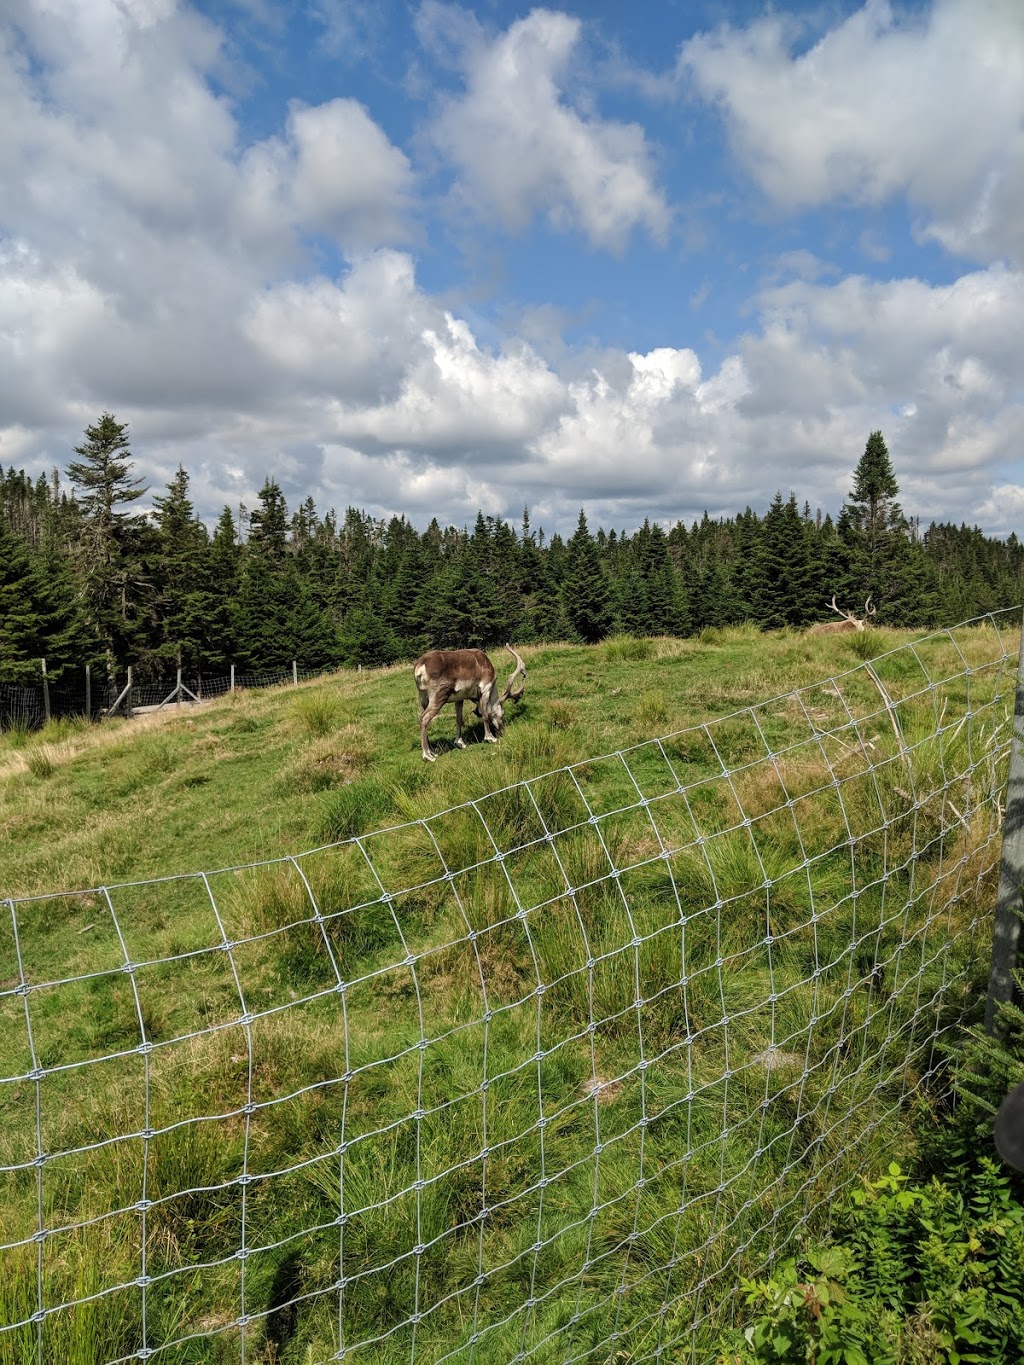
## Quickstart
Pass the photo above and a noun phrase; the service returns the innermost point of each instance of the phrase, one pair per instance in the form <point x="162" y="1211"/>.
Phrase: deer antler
<point x="869" y="610"/>
<point x="847" y="615"/>
<point x="508" y="694"/>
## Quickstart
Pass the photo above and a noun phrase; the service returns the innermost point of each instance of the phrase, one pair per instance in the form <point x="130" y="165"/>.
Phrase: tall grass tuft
<point x="40" y="761"/>
<point x="318" y="712"/>
<point x="626" y="649"/>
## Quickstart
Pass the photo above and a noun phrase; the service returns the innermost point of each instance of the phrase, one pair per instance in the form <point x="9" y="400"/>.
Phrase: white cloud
<point x="334" y="172"/>
<point x="1004" y="509"/>
<point x="522" y="150"/>
<point x="153" y="266"/>
<point x="929" y="105"/>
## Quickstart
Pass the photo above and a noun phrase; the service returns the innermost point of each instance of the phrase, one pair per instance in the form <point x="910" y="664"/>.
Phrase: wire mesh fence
<point x="29" y="706"/>
<point x="533" y="1078"/>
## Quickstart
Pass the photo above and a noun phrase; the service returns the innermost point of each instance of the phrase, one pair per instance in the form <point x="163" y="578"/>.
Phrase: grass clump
<point x="318" y="712"/>
<point x="40" y="761"/>
<point x="627" y="649"/>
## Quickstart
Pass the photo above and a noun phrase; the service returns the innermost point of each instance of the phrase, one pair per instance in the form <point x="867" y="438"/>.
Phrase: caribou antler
<point x="849" y="621"/>
<point x="508" y="694"/>
<point x="847" y="615"/>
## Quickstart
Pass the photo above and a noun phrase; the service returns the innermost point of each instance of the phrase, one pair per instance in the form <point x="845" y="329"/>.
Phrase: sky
<point x="648" y="260"/>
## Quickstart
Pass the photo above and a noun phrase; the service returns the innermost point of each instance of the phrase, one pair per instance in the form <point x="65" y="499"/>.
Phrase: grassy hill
<point x="705" y="975"/>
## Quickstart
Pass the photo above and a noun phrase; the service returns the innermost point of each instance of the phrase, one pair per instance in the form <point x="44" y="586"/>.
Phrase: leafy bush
<point x="923" y="1274"/>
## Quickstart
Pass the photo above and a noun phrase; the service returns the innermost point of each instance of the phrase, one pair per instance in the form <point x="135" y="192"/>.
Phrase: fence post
<point x="88" y="691"/>
<point x="232" y="677"/>
<point x="1007" y="927"/>
<point x="295" y="673"/>
<point x="128" y="695"/>
<point x="46" y="691"/>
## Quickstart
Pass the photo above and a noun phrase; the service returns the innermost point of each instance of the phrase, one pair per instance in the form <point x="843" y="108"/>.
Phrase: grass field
<point x="535" y="1072"/>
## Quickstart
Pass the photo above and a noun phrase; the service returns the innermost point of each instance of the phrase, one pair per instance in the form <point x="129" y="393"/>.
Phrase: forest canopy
<point x="86" y="577"/>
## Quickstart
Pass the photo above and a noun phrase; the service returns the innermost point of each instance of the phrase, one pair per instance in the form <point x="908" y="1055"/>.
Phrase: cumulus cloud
<point x="154" y="264"/>
<point x="927" y="104"/>
<point x="521" y="149"/>
<point x="333" y="172"/>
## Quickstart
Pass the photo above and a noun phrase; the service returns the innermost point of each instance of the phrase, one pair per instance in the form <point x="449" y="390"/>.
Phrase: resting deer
<point x="849" y="621"/>
<point x="462" y="675"/>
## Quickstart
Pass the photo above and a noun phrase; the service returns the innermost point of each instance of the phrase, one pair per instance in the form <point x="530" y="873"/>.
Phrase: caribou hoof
<point x="429" y="758"/>
<point x="491" y="739"/>
<point x="460" y="744"/>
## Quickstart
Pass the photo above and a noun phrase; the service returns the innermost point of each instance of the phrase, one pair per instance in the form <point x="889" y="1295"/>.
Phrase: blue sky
<point x="429" y="258"/>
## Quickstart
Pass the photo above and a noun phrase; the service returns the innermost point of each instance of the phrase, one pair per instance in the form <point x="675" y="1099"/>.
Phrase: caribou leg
<point x="460" y="743"/>
<point x="429" y="710"/>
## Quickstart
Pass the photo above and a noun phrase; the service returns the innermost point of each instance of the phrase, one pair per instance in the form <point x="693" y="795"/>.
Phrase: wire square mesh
<point x="533" y="1077"/>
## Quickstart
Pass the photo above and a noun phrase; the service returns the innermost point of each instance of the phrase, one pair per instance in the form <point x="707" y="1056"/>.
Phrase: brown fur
<point x="461" y="675"/>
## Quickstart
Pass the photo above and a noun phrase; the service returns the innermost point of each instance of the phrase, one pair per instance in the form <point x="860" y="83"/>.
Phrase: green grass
<point x="828" y="899"/>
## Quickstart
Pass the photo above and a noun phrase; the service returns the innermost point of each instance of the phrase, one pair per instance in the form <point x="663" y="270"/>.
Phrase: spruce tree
<point x="113" y="545"/>
<point x="222" y="558"/>
<point x="875" y="532"/>
<point x="586" y="593"/>
<point x="21" y="646"/>
<point x="185" y="601"/>
<point x="787" y="589"/>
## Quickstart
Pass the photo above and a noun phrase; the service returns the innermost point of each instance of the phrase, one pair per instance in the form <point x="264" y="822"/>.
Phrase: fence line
<point x="32" y="705"/>
<point x="531" y="1078"/>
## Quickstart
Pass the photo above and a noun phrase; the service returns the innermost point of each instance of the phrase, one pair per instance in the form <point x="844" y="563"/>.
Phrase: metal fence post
<point x="1006" y="931"/>
<point x="46" y="691"/>
<point x="88" y="691"/>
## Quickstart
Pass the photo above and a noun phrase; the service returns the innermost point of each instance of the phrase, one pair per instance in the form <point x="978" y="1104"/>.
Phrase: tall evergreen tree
<point x="113" y="544"/>
<point x="787" y="591"/>
<point x="21" y="646"/>
<point x="185" y="602"/>
<point x="586" y="593"/>
<point x="875" y="531"/>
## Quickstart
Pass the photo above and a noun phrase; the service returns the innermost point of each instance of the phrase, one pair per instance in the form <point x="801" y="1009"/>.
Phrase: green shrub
<point x="927" y="1273"/>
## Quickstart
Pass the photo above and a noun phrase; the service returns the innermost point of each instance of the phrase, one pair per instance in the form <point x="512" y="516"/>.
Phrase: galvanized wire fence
<point x="30" y="705"/>
<point x="533" y="1078"/>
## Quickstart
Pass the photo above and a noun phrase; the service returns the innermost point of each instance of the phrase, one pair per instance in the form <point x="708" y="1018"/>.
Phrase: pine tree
<point x="113" y="544"/>
<point x="185" y="601"/>
<point x="268" y="524"/>
<point x="875" y="531"/>
<point x="586" y="594"/>
<point x="21" y="646"/>
<point x="223" y="557"/>
<point x="787" y="590"/>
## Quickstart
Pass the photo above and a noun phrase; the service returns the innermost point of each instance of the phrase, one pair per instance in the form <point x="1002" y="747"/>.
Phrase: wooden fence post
<point x="88" y="691"/>
<point x="232" y="677"/>
<point x="46" y="691"/>
<point x="295" y="673"/>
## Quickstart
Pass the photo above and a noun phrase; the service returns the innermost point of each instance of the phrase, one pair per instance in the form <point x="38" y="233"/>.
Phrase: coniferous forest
<point x="85" y="577"/>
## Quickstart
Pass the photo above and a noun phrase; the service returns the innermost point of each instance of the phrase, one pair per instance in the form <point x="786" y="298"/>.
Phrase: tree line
<point x="87" y="578"/>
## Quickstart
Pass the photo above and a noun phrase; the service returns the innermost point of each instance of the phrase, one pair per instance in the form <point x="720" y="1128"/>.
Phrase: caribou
<point x="849" y="621"/>
<point x="462" y="675"/>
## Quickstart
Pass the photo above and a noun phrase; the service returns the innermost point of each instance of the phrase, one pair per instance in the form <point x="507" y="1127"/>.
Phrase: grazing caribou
<point x="462" y="675"/>
<point x="849" y="621"/>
